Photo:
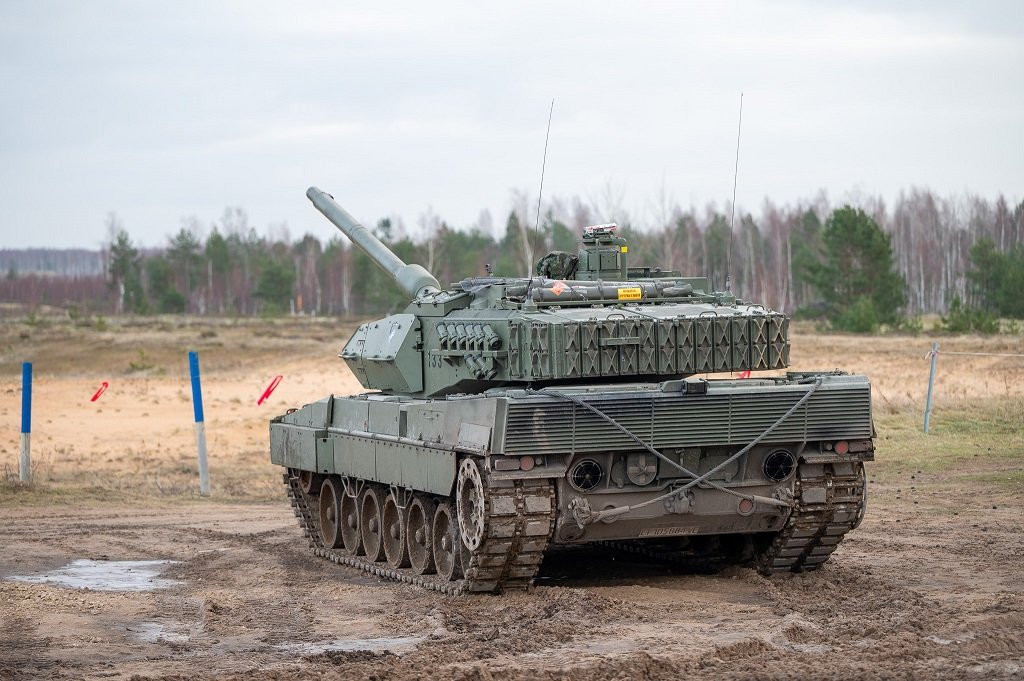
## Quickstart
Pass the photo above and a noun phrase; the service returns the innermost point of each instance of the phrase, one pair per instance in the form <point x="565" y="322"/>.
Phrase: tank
<point x="593" y="403"/>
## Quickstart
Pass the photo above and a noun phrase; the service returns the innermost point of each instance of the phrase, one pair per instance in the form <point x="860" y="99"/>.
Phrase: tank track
<point x="684" y="560"/>
<point x="520" y="522"/>
<point x="830" y="503"/>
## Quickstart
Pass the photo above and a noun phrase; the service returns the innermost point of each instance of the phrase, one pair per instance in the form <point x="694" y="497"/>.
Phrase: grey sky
<point x="161" y="110"/>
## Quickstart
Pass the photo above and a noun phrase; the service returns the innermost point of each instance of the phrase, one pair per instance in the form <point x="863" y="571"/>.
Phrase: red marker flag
<point x="103" y="389"/>
<point x="270" y="389"/>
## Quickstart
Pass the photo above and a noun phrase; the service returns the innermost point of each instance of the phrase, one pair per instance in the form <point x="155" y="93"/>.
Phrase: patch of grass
<point x="34" y="320"/>
<point x="1001" y="418"/>
<point x="143" y="363"/>
<point x="1012" y="480"/>
<point x="968" y="438"/>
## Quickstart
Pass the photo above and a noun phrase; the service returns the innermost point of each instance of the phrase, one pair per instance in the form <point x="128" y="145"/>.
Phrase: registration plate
<point x="666" y="531"/>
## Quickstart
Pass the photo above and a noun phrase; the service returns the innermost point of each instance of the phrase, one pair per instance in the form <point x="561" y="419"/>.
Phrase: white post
<point x="204" y="471"/>
<point x="25" y="470"/>
<point x="934" y="354"/>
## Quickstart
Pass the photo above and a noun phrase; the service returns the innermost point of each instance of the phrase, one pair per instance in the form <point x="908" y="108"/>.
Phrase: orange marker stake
<point x="103" y="389"/>
<point x="270" y="389"/>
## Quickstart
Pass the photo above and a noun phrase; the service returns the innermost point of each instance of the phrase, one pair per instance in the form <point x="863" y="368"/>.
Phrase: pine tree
<point x="997" y="279"/>
<point x="858" y="280"/>
<point x="185" y="255"/>
<point x="125" y="275"/>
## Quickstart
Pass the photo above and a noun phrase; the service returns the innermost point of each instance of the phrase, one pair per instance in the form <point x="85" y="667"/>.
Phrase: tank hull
<point x="778" y="463"/>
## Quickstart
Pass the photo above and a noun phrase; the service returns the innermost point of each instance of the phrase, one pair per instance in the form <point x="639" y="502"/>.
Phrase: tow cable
<point x="585" y="515"/>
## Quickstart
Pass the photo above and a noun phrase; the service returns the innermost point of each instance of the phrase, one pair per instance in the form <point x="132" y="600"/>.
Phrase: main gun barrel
<point x="413" y="279"/>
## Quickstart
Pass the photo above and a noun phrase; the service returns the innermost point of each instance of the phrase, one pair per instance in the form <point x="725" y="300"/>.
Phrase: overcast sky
<point x="158" y="111"/>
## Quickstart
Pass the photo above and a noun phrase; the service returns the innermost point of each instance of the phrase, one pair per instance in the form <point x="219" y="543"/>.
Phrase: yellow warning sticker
<point x="625" y="249"/>
<point x="631" y="293"/>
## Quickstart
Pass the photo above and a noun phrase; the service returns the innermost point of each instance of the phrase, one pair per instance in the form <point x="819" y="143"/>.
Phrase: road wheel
<point x="330" y="514"/>
<point x="350" y="524"/>
<point x="395" y="549"/>
<point x="309" y="482"/>
<point x="370" y="523"/>
<point x="418" y="524"/>
<point x="446" y="542"/>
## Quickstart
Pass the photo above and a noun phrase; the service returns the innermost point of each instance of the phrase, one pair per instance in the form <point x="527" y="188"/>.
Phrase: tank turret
<point x="584" y="318"/>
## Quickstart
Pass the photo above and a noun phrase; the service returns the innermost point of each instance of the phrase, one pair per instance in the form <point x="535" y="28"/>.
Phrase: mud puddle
<point x="106" y="575"/>
<point x="157" y="632"/>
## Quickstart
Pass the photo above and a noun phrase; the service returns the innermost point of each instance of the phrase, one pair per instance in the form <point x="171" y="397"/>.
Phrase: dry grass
<point x="136" y="443"/>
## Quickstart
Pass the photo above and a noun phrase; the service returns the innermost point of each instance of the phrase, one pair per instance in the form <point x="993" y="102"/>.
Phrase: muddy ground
<point x="930" y="586"/>
<point x="908" y="595"/>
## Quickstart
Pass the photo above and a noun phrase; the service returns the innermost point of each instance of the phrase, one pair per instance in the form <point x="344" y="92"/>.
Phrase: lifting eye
<point x="779" y="465"/>
<point x="586" y="475"/>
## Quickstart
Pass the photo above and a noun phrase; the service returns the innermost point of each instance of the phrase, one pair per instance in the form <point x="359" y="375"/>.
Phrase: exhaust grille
<point x="668" y="420"/>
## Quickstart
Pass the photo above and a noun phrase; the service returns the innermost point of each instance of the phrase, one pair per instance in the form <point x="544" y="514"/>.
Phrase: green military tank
<point x="506" y="416"/>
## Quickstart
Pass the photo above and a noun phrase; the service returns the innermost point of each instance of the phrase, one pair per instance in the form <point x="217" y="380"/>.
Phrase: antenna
<point x="732" y="218"/>
<point x="540" y="195"/>
<point x="544" y="163"/>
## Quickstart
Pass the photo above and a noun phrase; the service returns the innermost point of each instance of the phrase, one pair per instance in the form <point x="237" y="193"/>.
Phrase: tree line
<point x="860" y="267"/>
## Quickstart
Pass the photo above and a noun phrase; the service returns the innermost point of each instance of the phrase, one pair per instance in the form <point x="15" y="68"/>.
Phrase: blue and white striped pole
<point x="197" y="405"/>
<point x="25" y="471"/>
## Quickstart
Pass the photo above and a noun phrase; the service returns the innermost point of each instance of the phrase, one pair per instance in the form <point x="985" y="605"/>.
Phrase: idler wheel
<point x="395" y="549"/>
<point x="370" y="523"/>
<point x="309" y="482"/>
<point x="419" y="520"/>
<point x="349" y="518"/>
<point x="330" y="513"/>
<point x="446" y="542"/>
<point x="469" y="504"/>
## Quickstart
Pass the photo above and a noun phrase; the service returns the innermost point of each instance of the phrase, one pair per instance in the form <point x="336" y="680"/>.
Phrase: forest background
<point x="859" y="267"/>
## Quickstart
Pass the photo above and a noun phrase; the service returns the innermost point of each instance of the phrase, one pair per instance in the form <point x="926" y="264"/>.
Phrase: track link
<point x="519" y="523"/>
<point x="830" y="502"/>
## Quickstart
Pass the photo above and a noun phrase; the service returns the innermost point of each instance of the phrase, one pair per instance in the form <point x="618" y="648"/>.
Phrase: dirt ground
<point x="930" y="586"/>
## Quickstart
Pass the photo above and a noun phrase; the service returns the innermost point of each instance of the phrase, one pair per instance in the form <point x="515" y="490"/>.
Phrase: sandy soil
<point x="929" y="587"/>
